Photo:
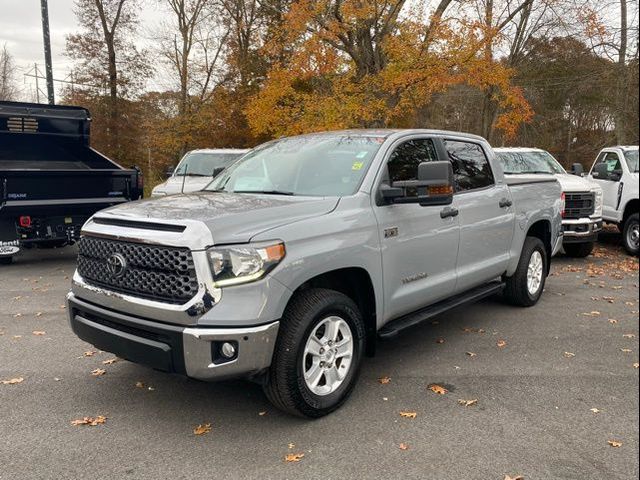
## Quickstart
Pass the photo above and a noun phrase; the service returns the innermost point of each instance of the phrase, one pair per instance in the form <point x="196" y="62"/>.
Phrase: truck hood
<point x="174" y="185"/>
<point x="573" y="183"/>
<point x="231" y="218"/>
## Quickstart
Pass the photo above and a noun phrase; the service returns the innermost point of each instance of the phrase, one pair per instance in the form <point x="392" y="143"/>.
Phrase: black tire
<point x="630" y="226"/>
<point x="6" y="260"/>
<point x="285" y="385"/>
<point x="578" y="250"/>
<point x="516" y="291"/>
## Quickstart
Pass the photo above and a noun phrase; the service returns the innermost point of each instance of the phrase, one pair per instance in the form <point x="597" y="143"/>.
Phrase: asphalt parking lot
<point x="549" y="401"/>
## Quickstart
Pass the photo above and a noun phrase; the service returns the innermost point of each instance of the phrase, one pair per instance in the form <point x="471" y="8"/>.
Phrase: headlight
<point x="598" y="201"/>
<point x="243" y="263"/>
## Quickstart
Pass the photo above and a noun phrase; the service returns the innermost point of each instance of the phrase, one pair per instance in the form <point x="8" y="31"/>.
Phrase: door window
<point x="404" y="161"/>
<point x="471" y="168"/>
<point x="612" y="163"/>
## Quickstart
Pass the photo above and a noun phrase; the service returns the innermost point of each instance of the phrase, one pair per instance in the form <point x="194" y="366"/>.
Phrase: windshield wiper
<point x="191" y="175"/>
<point x="265" y="192"/>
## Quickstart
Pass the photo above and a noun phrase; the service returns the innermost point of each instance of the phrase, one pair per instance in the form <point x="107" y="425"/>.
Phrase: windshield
<point x="314" y="165"/>
<point x="529" y="162"/>
<point x="204" y="163"/>
<point x="631" y="156"/>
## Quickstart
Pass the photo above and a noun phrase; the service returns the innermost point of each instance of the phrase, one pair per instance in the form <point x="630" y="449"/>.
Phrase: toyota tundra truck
<point x="582" y="215"/>
<point x="290" y="265"/>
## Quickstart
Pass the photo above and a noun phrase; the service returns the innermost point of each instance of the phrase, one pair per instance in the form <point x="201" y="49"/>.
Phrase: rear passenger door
<point x="485" y="214"/>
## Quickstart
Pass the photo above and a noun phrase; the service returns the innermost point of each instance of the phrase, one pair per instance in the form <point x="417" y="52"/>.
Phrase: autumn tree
<point x="105" y="58"/>
<point x="357" y="64"/>
<point x="8" y="85"/>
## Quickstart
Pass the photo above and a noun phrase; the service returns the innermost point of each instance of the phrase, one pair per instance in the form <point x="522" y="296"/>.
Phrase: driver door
<point x="610" y="183"/>
<point x="419" y="247"/>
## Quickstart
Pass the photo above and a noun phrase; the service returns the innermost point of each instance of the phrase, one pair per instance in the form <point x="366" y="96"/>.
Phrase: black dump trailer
<point x="51" y="180"/>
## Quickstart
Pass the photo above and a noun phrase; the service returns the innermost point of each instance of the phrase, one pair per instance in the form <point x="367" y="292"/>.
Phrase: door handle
<point x="505" y="202"/>
<point x="449" y="212"/>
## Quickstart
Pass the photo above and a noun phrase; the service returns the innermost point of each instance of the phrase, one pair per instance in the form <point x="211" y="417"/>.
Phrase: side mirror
<point x="217" y="171"/>
<point x="169" y="172"/>
<point x="600" y="171"/>
<point x="434" y="186"/>
<point x="577" y="169"/>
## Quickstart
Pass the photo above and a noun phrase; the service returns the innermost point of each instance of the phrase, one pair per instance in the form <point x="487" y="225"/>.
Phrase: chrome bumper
<point x="581" y="229"/>
<point x="190" y="351"/>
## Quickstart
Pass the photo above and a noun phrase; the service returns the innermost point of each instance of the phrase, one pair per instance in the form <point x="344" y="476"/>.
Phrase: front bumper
<point x="190" y="351"/>
<point x="581" y="230"/>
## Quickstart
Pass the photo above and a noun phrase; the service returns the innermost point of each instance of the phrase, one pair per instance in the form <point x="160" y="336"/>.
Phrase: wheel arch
<point x="542" y="230"/>
<point x="632" y="206"/>
<point x="355" y="283"/>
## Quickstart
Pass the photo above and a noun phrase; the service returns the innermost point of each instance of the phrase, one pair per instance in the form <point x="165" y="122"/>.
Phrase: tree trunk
<point x="621" y="78"/>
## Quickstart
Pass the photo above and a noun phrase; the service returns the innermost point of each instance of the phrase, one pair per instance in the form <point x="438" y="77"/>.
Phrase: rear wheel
<point x="631" y="234"/>
<point x="578" y="250"/>
<point x="525" y="286"/>
<point x="317" y="357"/>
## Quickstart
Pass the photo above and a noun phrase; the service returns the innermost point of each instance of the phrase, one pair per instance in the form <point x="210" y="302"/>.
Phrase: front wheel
<point x="317" y="357"/>
<point x="578" y="250"/>
<point x="525" y="286"/>
<point x="631" y="234"/>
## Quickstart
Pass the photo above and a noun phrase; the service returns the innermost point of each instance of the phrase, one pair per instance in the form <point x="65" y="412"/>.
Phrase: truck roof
<point x="387" y="132"/>
<point x="518" y="149"/>
<point x="623" y="147"/>
<point x="219" y="150"/>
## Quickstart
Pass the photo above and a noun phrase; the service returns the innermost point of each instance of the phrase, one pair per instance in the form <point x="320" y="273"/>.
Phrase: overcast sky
<point x="21" y="32"/>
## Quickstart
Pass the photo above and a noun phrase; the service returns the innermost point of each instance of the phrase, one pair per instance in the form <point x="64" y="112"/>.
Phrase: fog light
<point x="228" y="350"/>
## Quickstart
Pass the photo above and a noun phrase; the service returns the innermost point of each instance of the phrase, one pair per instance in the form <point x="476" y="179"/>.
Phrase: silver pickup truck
<point x="294" y="260"/>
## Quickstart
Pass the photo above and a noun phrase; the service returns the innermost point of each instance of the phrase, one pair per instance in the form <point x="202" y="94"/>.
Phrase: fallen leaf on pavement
<point x="38" y="314"/>
<point x="613" y="321"/>
<point x="91" y="421"/>
<point x="509" y="477"/>
<point x="39" y="333"/>
<point x="471" y="354"/>
<point x="384" y="380"/>
<point x="17" y="315"/>
<point x="291" y="446"/>
<point x="89" y="353"/>
<point x="595" y="313"/>
<point x="569" y="354"/>
<point x="595" y="410"/>
<point x="614" y="443"/>
<point x="110" y="361"/>
<point x="501" y="343"/>
<point x="18" y="297"/>
<point x="12" y="381"/>
<point x="202" y="429"/>
<point x="408" y="414"/>
<point x="435" y="388"/>
<point x="467" y="403"/>
<point x="440" y="340"/>
<point x="293" y="457"/>
<point x="625" y="350"/>
<point x="628" y="335"/>
<point x="636" y="365"/>
<point x="262" y="414"/>
<point x="139" y="384"/>
<point x="472" y="330"/>
<point x="98" y="372"/>
<point x="403" y="446"/>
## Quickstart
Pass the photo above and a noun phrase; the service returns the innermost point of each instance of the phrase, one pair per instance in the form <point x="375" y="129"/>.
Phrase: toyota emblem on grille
<point x="116" y="265"/>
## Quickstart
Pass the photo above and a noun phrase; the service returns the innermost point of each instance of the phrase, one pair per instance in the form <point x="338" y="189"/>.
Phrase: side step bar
<point x="394" y="326"/>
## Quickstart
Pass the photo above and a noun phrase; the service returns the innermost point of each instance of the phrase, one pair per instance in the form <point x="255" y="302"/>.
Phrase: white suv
<point x="616" y="171"/>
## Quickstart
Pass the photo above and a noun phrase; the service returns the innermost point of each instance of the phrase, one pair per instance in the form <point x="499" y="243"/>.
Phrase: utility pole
<point x="47" y="50"/>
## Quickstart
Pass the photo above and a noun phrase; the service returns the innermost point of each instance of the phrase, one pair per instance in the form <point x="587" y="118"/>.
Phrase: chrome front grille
<point x="164" y="274"/>
<point x="579" y="205"/>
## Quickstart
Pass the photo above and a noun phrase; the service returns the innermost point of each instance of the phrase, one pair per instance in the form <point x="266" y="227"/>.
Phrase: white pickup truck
<point x="582" y="215"/>
<point x="616" y="171"/>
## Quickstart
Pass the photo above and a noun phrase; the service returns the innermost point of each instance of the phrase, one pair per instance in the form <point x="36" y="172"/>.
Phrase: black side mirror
<point x="217" y="171"/>
<point x="434" y="186"/>
<point x="600" y="171"/>
<point x="169" y="172"/>
<point x="577" y="169"/>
